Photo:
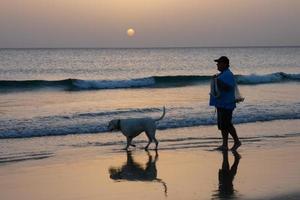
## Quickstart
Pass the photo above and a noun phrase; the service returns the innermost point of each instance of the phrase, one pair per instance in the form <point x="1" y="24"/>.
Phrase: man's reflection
<point x="134" y="171"/>
<point x="226" y="176"/>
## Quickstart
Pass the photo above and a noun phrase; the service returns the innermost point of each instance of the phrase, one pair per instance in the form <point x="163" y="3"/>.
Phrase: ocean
<point x="58" y="92"/>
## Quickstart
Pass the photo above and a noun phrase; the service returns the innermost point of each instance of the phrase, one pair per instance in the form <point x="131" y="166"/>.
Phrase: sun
<point x="130" y="32"/>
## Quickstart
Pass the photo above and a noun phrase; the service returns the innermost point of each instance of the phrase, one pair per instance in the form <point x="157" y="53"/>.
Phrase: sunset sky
<point x="157" y="23"/>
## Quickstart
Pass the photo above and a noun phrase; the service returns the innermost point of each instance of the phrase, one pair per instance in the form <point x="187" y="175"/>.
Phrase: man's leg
<point x="223" y="130"/>
<point x="229" y="126"/>
<point x="225" y="139"/>
<point x="237" y="142"/>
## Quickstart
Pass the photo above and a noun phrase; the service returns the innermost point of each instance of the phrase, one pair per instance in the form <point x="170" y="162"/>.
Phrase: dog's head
<point x="114" y="125"/>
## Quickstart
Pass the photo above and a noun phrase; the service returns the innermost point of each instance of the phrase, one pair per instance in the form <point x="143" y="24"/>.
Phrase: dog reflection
<point x="226" y="176"/>
<point x="134" y="171"/>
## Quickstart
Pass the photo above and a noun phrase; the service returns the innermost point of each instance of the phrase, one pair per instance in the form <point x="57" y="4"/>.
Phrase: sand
<point x="268" y="170"/>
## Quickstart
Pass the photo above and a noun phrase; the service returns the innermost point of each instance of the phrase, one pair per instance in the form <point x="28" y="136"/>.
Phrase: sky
<point x="157" y="23"/>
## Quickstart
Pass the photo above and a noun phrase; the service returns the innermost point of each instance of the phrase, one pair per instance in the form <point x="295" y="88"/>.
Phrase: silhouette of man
<point x="224" y="101"/>
<point x="226" y="176"/>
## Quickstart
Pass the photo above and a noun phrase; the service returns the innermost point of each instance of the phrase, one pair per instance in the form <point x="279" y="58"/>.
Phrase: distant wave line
<point x="146" y="82"/>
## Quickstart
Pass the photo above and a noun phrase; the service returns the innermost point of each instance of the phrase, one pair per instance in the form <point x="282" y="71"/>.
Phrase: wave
<point x="97" y="122"/>
<point x="147" y="82"/>
<point x="267" y="78"/>
<point x="75" y="84"/>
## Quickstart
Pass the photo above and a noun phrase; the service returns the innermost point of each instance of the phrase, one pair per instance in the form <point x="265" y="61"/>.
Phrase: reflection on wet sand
<point x="226" y="176"/>
<point x="134" y="171"/>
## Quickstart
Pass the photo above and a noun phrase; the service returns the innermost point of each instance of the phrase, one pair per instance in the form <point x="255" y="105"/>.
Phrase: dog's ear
<point x="112" y="124"/>
<point x="115" y="123"/>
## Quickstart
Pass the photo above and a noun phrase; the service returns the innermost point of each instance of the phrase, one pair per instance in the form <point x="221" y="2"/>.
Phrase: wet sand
<point x="258" y="171"/>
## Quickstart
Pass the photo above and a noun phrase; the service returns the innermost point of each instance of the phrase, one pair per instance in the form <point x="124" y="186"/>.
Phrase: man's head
<point x="222" y="63"/>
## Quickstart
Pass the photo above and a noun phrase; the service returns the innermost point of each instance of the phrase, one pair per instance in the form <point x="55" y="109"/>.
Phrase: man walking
<point x="223" y="98"/>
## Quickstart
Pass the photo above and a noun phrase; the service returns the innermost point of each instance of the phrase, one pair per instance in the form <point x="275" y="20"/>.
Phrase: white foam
<point x="255" y="79"/>
<point x="267" y="78"/>
<point x="107" y="84"/>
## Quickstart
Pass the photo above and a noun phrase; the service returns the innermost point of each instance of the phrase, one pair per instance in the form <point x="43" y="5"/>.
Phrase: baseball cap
<point x="223" y="59"/>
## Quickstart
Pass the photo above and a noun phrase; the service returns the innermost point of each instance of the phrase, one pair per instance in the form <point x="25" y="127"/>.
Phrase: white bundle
<point x="237" y="95"/>
<point x="214" y="90"/>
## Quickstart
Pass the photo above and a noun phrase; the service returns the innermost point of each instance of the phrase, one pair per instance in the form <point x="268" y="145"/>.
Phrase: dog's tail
<point x="163" y="115"/>
<point x="164" y="185"/>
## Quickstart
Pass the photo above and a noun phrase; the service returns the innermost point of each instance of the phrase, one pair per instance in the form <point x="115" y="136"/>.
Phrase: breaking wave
<point x="151" y="82"/>
<point x="176" y="117"/>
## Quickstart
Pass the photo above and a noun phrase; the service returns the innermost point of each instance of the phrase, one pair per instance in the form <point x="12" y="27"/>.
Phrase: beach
<point x="149" y="100"/>
<point x="86" y="168"/>
<point x="55" y="106"/>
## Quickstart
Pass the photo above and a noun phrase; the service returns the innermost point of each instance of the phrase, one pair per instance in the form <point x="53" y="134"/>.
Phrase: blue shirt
<point x="227" y="98"/>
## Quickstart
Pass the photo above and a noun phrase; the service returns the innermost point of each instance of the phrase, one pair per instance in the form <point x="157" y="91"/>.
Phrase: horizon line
<point x="171" y="47"/>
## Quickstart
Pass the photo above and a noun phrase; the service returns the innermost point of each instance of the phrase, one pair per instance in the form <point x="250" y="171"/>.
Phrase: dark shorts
<point x="224" y="118"/>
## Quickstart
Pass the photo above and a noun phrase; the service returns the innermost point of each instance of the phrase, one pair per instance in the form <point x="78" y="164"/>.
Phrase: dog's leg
<point x="156" y="142"/>
<point x="149" y="141"/>
<point x="129" y="139"/>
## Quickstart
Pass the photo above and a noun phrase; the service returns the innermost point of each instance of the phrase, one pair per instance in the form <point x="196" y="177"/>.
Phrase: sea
<point x="74" y="93"/>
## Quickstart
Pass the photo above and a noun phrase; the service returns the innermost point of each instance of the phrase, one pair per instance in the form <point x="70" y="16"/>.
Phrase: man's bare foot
<point x="236" y="146"/>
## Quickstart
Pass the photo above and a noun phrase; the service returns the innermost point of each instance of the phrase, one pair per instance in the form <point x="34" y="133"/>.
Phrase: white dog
<point x="134" y="126"/>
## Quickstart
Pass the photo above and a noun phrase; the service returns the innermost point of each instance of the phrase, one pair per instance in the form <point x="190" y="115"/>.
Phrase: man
<point x="225" y="102"/>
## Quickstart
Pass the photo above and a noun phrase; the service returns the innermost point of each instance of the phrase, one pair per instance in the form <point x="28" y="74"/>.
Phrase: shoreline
<point x="93" y="166"/>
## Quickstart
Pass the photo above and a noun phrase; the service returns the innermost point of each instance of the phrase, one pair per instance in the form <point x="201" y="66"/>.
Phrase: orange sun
<point x="130" y="32"/>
